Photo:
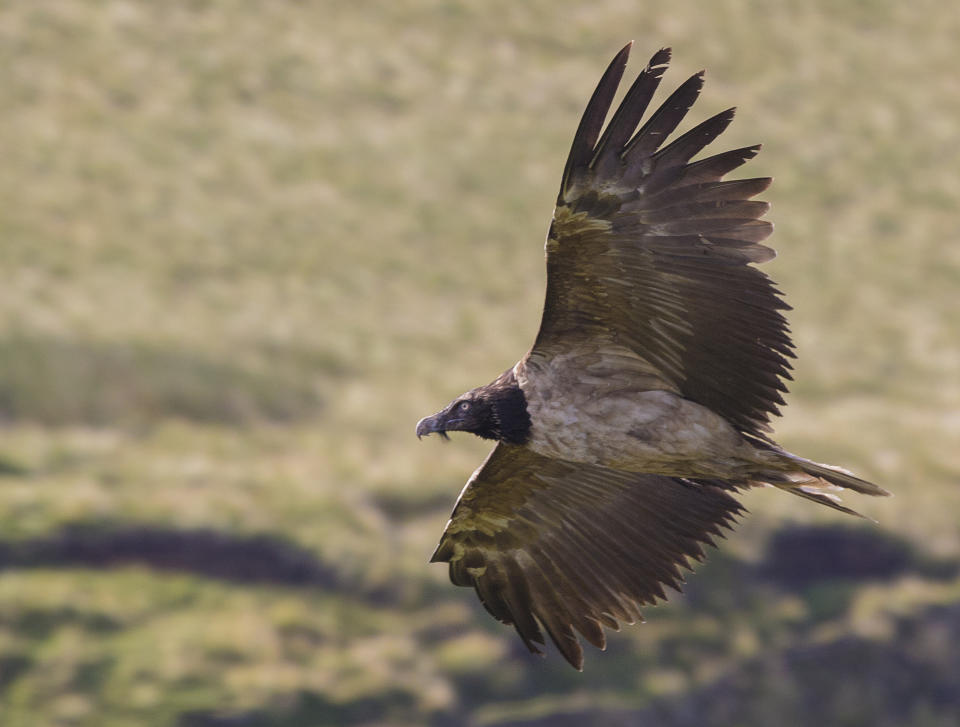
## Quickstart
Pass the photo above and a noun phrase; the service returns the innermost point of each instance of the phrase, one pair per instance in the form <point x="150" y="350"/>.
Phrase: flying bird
<point x="643" y="406"/>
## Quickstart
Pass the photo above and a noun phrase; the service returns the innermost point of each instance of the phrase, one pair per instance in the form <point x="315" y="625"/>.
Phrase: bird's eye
<point x="464" y="405"/>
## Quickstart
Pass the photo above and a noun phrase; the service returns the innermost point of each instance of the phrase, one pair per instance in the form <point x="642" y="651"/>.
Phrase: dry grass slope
<point x="247" y="246"/>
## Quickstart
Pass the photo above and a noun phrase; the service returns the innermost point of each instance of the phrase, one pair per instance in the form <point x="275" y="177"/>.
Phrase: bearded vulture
<point x="644" y="404"/>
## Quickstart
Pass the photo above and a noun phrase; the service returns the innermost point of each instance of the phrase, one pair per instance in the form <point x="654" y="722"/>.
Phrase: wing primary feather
<point x="521" y="606"/>
<point x="585" y="139"/>
<point x="571" y="591"/>
<point x="662" y="123"/>
<point x="595" y="578"/>
<point x="551" y="611"/>
<point x="748" y="230"/>
<point x="628" y="115"/>
<point x="734" y="189"/>
<point x="705" y="209"/>
<point x="491" y="593"/>
<point x="687" y="146"/>
<point x="713" y="168"/>
<point x="641" y="582"/>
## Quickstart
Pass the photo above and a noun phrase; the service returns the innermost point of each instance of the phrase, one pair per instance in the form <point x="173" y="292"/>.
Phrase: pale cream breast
<point x="609" y="407"/>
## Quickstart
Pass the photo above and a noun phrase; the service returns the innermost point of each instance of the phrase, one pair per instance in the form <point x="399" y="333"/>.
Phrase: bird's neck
<point x="509" y="406"/>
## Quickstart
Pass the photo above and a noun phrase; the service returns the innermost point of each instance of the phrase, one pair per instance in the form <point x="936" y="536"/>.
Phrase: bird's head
<point x="495" y="411"/>
<point x="471" y="412"/>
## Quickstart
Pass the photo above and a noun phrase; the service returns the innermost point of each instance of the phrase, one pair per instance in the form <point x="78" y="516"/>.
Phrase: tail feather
<point x="838" y="476"/>
<point x="824" y="498"/>
<point x="819" y="482"/>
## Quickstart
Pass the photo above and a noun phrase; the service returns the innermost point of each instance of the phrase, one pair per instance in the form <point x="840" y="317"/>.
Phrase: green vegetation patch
<point x="57" y="381"/>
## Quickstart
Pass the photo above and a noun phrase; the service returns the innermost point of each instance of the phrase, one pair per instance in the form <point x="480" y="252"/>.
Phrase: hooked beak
<point x="431" y="425"/>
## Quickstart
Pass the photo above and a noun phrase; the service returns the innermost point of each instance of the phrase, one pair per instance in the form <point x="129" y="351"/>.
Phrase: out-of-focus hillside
<point x="247" y="246"/>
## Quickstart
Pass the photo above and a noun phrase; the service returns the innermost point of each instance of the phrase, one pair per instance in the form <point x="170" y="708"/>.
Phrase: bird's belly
<point x="651" y="431"/>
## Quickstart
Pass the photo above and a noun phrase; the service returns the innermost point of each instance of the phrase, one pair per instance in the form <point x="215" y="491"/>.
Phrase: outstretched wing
<point x="569" y="546"/>
<point x="651" y="252"/>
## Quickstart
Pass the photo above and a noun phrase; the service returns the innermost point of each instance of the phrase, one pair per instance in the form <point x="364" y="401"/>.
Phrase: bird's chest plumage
<point x="591" y="408"/>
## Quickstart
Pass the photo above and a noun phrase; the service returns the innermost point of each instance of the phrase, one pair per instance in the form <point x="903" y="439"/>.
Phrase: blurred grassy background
<point x="247" y="245"/>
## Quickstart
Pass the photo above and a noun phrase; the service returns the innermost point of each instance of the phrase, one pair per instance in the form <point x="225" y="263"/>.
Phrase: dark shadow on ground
<point x="799" y="556"/>
<point x="205" y="552"/>
<point x="313" y="709"/>
<point x="908" y="679"/>
<point x="832" y="559"/>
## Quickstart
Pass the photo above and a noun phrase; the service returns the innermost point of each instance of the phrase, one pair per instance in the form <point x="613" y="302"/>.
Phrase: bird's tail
<point x="820" y="482"/>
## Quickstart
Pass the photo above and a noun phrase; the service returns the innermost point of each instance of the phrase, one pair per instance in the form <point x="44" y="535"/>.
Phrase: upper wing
<point x="573" y="546"/>
<point x="651" y="252"/>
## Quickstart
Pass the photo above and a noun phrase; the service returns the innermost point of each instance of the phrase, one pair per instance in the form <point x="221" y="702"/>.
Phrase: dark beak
<point x="431" y="425"/>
